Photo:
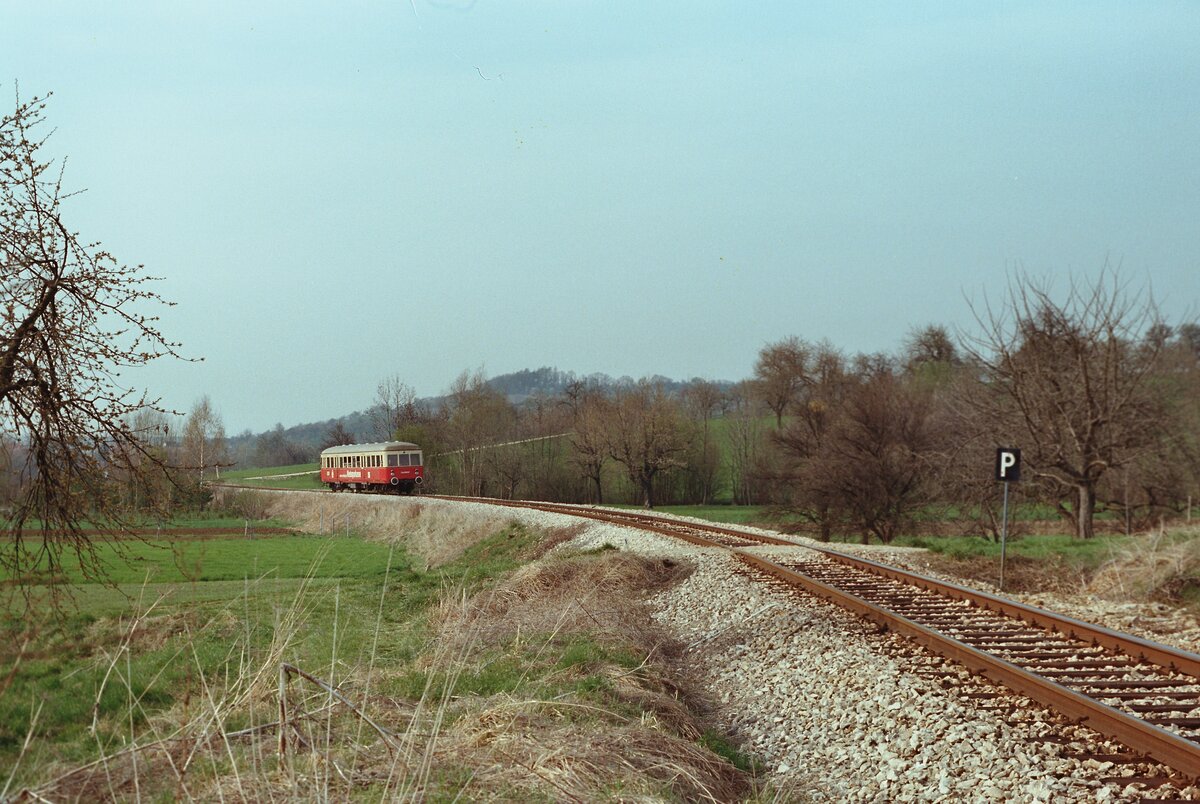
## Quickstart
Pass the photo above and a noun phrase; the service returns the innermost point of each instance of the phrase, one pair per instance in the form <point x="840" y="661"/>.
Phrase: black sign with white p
<point x="1008" y="464"/>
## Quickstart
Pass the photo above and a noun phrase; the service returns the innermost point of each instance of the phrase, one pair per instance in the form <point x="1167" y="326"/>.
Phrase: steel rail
<point x="1178" y="752"/>
<point x="1136" y="647"/>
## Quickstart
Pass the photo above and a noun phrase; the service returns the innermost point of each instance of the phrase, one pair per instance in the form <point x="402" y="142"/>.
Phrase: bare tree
<point x="871" y="466"/>
<point x="73" y="319"/>
<point x="931" y="356"/>
<point x="274" y="448"/>
<point x="646" y="434"/>
<point x="1071" y="383"/>
<point x="804" y="487"/>
<point x="589" y="437"/>
<point x="545" y="418"/>
<point x="930" y="344"/>
<point x="396" y="406"/>
<point x="336" y="436"/>
<point x="744" y="437"/>
<point x="781" y="371"/>
<point x="203" y="440"/>
<point x="479" y="417"/>
<point x="701" y="400"/>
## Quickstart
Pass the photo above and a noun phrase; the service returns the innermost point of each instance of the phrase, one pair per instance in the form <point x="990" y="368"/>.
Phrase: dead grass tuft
<point x="1022" y="573"/>
<point x="547" y="753"/>
<point x="557" y="536"/>
<point x="597" y="594"/>
<point x="1160" y="566"/>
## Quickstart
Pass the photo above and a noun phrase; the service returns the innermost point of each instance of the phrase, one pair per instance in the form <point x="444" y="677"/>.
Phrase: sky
<point x="335" y="193"/>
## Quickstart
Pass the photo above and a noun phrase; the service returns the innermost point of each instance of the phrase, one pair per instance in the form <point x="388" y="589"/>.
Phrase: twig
<point x="710" y="637"/>
<point x="24" y="747"/>
<point x="285" y="669"/>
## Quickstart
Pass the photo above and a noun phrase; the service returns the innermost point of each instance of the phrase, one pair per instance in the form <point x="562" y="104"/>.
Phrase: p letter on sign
<point x="1008" y="464"/>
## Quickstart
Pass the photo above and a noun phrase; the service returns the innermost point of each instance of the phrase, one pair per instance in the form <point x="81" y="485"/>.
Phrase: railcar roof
<point x="379" y="446"/>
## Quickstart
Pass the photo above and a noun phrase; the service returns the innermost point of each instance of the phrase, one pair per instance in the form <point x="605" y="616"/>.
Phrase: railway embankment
<point x="836" y="708"/>
<point x="847" y="713"/>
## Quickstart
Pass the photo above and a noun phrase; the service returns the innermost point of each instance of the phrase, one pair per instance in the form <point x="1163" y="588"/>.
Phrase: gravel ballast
<point x="842" y="712"/>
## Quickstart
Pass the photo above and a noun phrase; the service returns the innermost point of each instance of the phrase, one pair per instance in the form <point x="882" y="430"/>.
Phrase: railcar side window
<point x="392" y="460"/>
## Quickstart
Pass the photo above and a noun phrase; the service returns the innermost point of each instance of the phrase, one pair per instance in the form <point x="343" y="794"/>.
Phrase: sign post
<point x="1008" y="470"/>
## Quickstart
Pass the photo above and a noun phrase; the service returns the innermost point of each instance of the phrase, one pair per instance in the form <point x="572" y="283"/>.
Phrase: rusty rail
<point x="1178" y="752"/>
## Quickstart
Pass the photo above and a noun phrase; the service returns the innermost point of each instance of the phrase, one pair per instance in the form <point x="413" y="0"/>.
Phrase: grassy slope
<point x="187" y="623"/>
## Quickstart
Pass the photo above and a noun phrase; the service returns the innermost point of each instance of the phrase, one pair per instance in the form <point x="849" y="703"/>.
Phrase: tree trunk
<point x="599" y="492"/>
<point x="1085" y="508"/>
<point x="647" y="492"/>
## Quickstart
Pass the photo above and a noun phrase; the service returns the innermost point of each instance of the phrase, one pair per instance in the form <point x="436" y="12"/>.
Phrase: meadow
<point x="390" y="651"/>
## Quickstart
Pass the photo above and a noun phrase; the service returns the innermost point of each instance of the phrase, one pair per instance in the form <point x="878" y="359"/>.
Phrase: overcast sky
<point x="338" y="192"/>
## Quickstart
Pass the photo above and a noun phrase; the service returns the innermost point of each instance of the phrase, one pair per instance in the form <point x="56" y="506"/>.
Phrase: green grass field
<point x="311" y="481"/>
<point x="159" y="561"/>
<point x="276" y="477"/>
<point x="1084" y="553"/>
<point x="206" y="609"/>
<point x="241" y="474"/>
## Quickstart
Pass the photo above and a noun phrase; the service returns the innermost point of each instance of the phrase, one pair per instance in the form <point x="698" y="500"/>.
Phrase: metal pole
<point x="1127" y="528"/>
<point x="1003" y="536"/>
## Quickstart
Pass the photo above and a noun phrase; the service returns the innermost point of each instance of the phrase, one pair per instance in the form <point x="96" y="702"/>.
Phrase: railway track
<point x="1142" y="694"/>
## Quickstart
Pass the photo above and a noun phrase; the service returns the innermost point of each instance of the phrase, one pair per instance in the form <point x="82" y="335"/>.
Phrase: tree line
<point x="1102" y="396"/>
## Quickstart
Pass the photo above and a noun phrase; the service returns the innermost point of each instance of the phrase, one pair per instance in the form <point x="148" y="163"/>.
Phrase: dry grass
<point x="629" y="731"/>
<point x="590" y="701"/>
<point x="1161" y="565"/>
<point x="1022" y="573"/>
<point x="597" y="594"/>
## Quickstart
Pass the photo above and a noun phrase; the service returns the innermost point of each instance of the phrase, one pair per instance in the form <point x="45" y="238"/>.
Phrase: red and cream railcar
<point x="386" y="466"/>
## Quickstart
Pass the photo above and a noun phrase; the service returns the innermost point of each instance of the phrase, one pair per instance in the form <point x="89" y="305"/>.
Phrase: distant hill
<point x="518" y="387"/>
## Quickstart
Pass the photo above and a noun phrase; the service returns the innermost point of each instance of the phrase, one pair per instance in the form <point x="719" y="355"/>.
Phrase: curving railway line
<point x="1142" y="694"/>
